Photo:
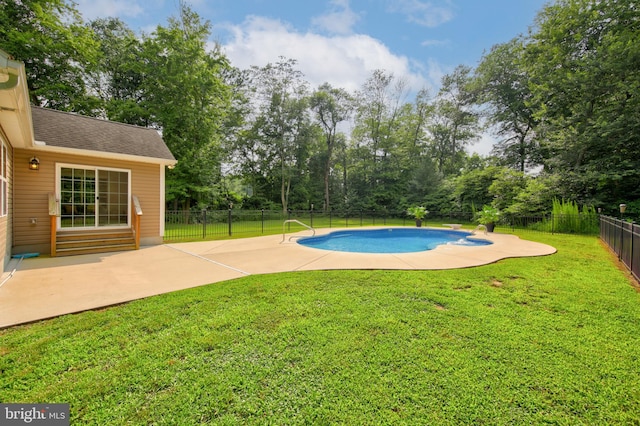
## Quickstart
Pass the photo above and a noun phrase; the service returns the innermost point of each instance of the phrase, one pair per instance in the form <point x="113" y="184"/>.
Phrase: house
<point x="71" y="184"/>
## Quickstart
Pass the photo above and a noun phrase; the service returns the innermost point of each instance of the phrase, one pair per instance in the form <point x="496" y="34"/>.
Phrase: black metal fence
<point x="582" y="224"/>
<point x="624" y="239"/>
<point x="208" y="224"/>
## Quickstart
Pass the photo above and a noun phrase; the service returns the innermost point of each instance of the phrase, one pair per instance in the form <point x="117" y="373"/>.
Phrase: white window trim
<point x="59" y="167"/>
<point x="4" y="180"/>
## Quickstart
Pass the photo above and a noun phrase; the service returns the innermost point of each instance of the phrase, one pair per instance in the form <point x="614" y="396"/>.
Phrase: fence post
<point x="621" y="239"/>
<point x="204" y="224"/>
<point x="311" y="214"/>
<point x="330" y="217"/>
<point x="262" y="220"/>
<point x="229" y="220"/>
<point x="631" y="257"/>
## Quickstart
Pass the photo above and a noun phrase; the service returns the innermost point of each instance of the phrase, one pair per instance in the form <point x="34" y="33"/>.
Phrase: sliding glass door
<point x="113" y="198"/>
<point x="93" y="197"/>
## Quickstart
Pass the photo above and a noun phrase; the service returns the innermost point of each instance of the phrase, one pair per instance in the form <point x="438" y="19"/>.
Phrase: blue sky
<point x="343" y="41"/>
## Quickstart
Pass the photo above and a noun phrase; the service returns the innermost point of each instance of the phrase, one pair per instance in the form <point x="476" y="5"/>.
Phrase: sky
<point x="343" y="41"/>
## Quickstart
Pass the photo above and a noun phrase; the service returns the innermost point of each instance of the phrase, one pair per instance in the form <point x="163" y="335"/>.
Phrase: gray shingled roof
<point x="67" y="130"/>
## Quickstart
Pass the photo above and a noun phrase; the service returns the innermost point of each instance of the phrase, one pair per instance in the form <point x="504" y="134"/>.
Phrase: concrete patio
<point x="45" y="287"/>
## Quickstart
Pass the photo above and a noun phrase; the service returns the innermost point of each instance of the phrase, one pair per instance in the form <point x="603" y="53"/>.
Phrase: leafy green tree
<point x="442" y="198"/>
<point x="416" y="166"/>
<point x="502" y="84"/>
<point x="275" y="144"/>
<point x="332" y="106"/>
<point x="423" y="181"/>
<point x="536" y="198"/>
<point x="374" y="117"/>
<point x="472" y="187"/>
<point x="118" y="79"/>
<point x="341" y="178"/>
<point x="386" y="134"/>
<point x="583" y="62"/>
<point x="188" y="99"/>
<point x="412" y="127"/>
<point x="455" y="123"/>
<point x="508" y="183"/>
<point x="57" y="49"/>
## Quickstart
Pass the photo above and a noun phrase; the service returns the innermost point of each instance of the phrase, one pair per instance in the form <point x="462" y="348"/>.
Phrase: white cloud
<point x="428" y="43"/>
<point x="344" y="61"/>
<point x="423" y="13"/>
<point x="484" y="145"/>
<point x="340" y="20"/>
<point x="92" y="9"/>
<point x="436" y="71"/>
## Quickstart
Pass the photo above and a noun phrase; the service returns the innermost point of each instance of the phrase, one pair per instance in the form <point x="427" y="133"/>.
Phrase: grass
<point x="548" y="340"/>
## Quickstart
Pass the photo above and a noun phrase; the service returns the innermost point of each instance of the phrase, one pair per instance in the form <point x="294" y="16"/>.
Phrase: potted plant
<point x="488" y="217"/>
<point x="418" y="213"/>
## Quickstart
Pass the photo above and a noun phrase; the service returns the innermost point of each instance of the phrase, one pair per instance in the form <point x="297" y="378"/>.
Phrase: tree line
<point x="562" y="101"/>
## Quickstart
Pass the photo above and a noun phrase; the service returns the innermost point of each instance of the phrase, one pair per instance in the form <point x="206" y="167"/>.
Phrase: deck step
<point x="91" y="235"/>
<point x="101" y="242"/>
<point x="88" y="242"/>
<point x="94" y="249"/>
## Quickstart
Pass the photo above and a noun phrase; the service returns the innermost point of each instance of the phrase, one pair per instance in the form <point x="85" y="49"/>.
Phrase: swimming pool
<point x="390" y="240"/>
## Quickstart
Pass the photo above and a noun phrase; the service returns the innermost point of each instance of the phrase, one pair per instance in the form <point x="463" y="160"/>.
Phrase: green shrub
<point x="566" y="218"/>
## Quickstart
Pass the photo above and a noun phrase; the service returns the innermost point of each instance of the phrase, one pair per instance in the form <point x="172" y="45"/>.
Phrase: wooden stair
<point x="72" y="243"/>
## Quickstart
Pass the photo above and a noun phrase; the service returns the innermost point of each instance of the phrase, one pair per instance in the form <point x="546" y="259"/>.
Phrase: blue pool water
<point x="390" y="240"/>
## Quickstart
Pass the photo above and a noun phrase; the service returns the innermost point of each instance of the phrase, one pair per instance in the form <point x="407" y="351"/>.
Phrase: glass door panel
<point x="113" y="198"/>
<point x="77" y="198"/>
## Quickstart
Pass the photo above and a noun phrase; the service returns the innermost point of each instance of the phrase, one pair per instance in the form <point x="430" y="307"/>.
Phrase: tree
<point x="332" y="106"/>
<point x="472" y="187"/>
<point x="508" y="183"/>
<point x="583" y="63"/>
<point x="376" y="176"/>
<point x="188" y="99"/>
<point x="455" y="122"/>
<point x="412" y="127"/>
<point x="56" y="48"/>
<point x="502" y="84"/>
<point x="118" y="79"/>
<point x="536" y="198"/>
<point x="413" y="164"/>
<point x="275" y="145"/>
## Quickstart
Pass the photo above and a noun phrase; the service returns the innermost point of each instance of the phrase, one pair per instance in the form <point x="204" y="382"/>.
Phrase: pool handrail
<point x="479" y="228"/>
<point x="299" y="223"/>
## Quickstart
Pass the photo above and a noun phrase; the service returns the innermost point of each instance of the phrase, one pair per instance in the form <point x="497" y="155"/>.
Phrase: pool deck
<point x="33" y="289"/>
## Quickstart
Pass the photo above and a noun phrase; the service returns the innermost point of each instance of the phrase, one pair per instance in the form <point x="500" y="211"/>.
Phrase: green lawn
<point x="549" y="340"/>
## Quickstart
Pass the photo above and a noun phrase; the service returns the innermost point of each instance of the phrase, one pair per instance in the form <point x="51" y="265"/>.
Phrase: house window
<point x="4" y="183"/>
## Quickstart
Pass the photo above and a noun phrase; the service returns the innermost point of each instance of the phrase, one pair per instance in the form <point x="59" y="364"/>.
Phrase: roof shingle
<point x="68" y="130"/>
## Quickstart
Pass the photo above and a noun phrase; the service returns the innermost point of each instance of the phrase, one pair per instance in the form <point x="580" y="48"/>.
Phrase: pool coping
<point x="459" y="233"/>
<point x="44" y="287"/>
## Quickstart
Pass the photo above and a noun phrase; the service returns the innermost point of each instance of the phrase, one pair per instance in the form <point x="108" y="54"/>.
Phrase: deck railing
<point x="136" y="213"/>
<point x="54" y="212"/>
